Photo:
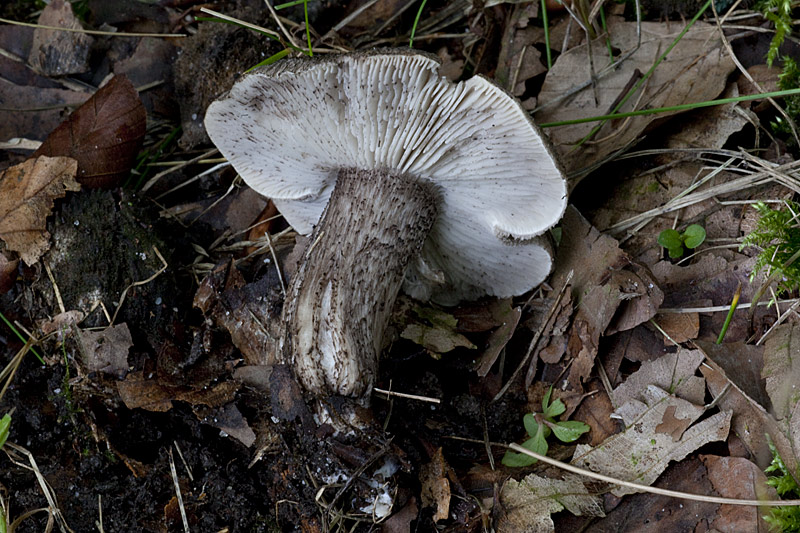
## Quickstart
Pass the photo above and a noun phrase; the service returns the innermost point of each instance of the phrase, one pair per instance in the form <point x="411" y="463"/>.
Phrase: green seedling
<point x="677" y="243"/>
<point x="539" y="426"/>
<point x="785" y="519"/>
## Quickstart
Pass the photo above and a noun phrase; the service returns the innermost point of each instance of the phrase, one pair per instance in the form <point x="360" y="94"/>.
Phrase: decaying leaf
<point x="8" y="273"/>
<point x="498" y="340"/>
<point x="59" y="53"/>
<point x="229" y="420"/>
<point x="438" y="332"/>
<point x="249" y="312"/>
<point x="139" y="392"/>
<point x="27" y="192"/>
<point x="603" y="288"/>
<point x="107" y="350"/>
<point x="435" y="485"/>
<point x="519" y="59"/>
<point x="671" y="372"/>
<point x="782" y="371"/>
<point x="528" y="504"/>
<point x="641" y="452"/>
<point x="104" y="134"/>
<point x="675" y="81"/>
<point x="738" y="478"/>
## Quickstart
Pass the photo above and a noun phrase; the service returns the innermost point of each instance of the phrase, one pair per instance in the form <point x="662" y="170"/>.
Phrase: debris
<point x="107" y="350"/>
<point x="104" y="135"/>
<point x="27" y="192"/>
<point x="59" y="53"/>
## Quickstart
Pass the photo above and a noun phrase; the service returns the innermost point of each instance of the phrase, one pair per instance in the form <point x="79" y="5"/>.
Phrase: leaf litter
<point x="606" y="343"/>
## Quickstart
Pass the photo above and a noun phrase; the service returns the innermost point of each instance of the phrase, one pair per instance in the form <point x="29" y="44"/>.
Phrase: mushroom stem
<point x="340" y="299"/>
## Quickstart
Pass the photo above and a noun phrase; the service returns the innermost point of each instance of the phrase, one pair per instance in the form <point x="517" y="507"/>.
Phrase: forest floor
<point x="142" y="282"/>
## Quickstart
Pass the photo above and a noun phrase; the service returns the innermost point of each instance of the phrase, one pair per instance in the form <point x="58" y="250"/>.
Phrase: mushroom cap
<point x="289" y="127"/>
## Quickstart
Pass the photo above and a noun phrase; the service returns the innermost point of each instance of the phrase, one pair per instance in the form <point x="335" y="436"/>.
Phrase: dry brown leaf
<point x="62" y="322"/>
<point x="229" y="420"/>
<point x="27" y="192"/>
<point x="680" y="327"/>
<point x="528" y="504"/>
<point x="107" y="350"/>
<point x="8" y="273"/>
<point x="695" y="70"/>
<point x="498" y="340"/>
<point x="59" y="53"/>
<point x="671" y="372"/>
<point x="672" y="425"/>
<point x="104" y="134"/>
<point x="519" y="59"/>
<point x="32" y="112"/>
<point x="738" y="478"/>
<point x="139" y="392"/>
<point x="435" y="486"/>
<point x="782" y="371"/>
<point x="641" y="453"/>
<point x="751" y="422"/>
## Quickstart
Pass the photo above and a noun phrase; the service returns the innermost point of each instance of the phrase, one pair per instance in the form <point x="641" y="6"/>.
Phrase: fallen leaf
<point x="738" y="478"/>
<point x="528" y="504"/>
<point x="107" y="350"/>
<point x="680" y="327"/>
<point x="672" y="425"/>
<point x="435" y="486"/>
<point x="249" y="312"/>
<point x="751" y="422"/>
<point x="33" y="112"/>
<point x="498" y="340"/>
<point x="672" y="372"/>
<point x="519" y="59"/>
<point x="229" y="420"/>
<point x="59" y="53"/>
<point x="62" y="322"/>
<point x="782" y="371"/>
<point x="8" y="273"/>
<point x="400" y="522"/>
<point x="675" y="81"/>
<point x="641" y="453"/>
<point x="653" y="513"/>
<point x="27" y="193"/>
<point x="137" y="391"/>
<point x="436" y="339"/>
<point x="104" y="135"/>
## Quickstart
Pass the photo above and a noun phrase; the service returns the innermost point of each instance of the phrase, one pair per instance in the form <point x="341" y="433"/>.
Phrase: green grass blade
<point x="416" y="22"/>
<point x="649" y="73"/>
<point x="308" y="28"/>
<point x="546" y="24"/>
<point x="681" y="107"/>
<point x="271" y="59"/>
<point x="19" y="335"/>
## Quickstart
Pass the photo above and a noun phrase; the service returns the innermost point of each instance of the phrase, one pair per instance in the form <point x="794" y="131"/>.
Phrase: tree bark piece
<point x="340" y="298"/>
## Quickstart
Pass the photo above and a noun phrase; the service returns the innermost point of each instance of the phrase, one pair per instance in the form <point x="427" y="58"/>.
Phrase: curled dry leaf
<point x="104" y="135"/>
<point x="27" y="192"/>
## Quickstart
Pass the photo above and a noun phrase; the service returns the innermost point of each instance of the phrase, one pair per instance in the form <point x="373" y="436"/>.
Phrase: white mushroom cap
<point x="288" y="128"/>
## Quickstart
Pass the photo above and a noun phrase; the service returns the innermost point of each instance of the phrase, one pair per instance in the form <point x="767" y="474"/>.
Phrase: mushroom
<point x="401" y="178"/>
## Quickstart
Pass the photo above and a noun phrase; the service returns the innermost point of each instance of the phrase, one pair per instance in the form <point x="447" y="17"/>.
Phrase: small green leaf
<point x="546" y="399"/>
<point x="555" y="409"/>
<point x="5" y="426"/>
<point x="669" y="239"/>
<point x="694" y="236"/>
<point x="675" y="253"/>
<point x="531" y="425"/>
<point x="569" y="430"/>
<point x="537" y="444"/>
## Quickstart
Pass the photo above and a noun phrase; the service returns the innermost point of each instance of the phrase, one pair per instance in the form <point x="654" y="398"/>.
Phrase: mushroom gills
<point x="340" y="299"/>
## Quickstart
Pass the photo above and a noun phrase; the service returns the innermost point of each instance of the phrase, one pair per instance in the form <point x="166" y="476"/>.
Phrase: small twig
<point x="92" y="32"/>
<point x="717" y="308"/>
<point x="138" y="283"/>
<point x="178" y="491"/>
<point x="55" y="287"/>
<point x="199" y="159"/>
<point x="239" y="22"/>
<point x="408" y="396"/>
